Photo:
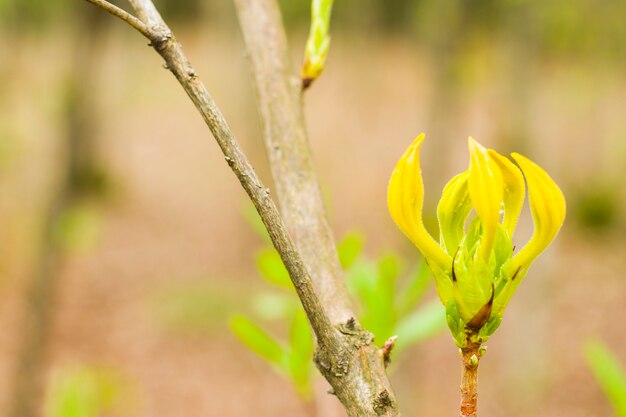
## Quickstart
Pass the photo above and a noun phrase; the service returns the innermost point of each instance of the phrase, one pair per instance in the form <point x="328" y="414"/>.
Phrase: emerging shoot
<point x="475" y="268"/>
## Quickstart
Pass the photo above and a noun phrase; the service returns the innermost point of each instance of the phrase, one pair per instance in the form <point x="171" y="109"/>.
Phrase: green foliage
<point x="385" y="297"/>
<point x="349" y="249"/>
<point x="609" y="374"/>
<point x="83" y="392"/>
<point x="293" y="359"/>
<point x="387" y="302"/>
<point x="425" y="322"/>
<point x="259" y="341"/>
<point x="251" y="217"/>
<point x="318" y="43"/>
<point x="271" y="268"/>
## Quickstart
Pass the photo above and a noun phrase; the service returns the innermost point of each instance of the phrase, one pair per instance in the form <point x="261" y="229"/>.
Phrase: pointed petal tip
<point x="419" y="139"/>
<point x="474" y="146"/>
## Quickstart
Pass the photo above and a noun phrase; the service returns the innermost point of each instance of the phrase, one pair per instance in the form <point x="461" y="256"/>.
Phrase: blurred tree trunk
<point x="78" y="177"/>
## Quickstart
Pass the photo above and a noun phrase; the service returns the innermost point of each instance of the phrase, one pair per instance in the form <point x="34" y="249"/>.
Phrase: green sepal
<point x="456" y="324"/>
<point x="490" y="327"/>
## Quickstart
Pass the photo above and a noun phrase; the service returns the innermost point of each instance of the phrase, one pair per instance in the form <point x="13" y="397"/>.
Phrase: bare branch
<point x="356" y="371"/>
<point x="346" y="355"/>
<point x="122" y="14"/>
<point x="163" y="41"/>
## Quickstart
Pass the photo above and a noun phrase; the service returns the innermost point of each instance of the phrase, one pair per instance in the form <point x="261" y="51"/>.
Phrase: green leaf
<point x="301" y="354"/>
<point x="374" y="287"/>
<point x="609" y="374"/>
<point x="251" y="216"/>
<point x="82" y="392"/>
<point x="388" y="267"/>
<point x="424" y="323"/>
<point x="272" y="268"/>
<point x="349" y="249"/>
<point x="257" y="340"/>
<point x="361" y="280"/>
<point x="274" y="306"/>
<point x="414" y="289"/>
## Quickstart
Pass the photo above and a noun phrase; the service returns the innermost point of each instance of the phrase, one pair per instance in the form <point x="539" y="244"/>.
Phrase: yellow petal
<point x="547" y="205"/>
<point x="452" y="212"/>
<point x="405" y="197"/>
<point x="485" y="190"/>
<point x="513" y="190"/>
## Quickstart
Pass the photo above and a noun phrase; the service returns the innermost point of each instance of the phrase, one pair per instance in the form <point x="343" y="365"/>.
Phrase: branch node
<point x="160" y="37"/>
<point x="191" y="73"/>
<point x="382" y="402"/>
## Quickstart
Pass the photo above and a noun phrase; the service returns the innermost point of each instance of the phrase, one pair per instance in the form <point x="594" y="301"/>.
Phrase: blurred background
<point x="126" y="244"/>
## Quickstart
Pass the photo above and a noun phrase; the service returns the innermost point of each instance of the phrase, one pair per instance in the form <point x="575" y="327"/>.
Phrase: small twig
<point x="469" y="380"/>
<point x="124" y="15"/>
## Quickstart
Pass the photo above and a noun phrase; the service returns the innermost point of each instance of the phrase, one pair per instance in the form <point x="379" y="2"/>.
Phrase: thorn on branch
<point x="387" y="348"/>
<point x="350" y="324"/>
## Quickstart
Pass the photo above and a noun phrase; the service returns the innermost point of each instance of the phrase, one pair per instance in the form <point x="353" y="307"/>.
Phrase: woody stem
<point x="469" y="381"/>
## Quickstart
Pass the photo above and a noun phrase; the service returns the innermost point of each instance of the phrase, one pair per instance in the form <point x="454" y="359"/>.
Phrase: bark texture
<point x="347" y="358"/>
<point x="469" y="380"/>
<point x="346" y="355"/>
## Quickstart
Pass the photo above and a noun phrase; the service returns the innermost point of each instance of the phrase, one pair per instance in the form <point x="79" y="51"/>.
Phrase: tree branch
<point x="124" y="15"/>
<point x="346" y="355"/>
<point x="163" y="41"/>
<point x="363" y="388"/>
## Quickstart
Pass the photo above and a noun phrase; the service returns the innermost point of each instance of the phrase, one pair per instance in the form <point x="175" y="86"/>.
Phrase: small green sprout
<point x="318" y="43"/>
<point x="476" y="271"/>
<point x="386" y="302"/>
